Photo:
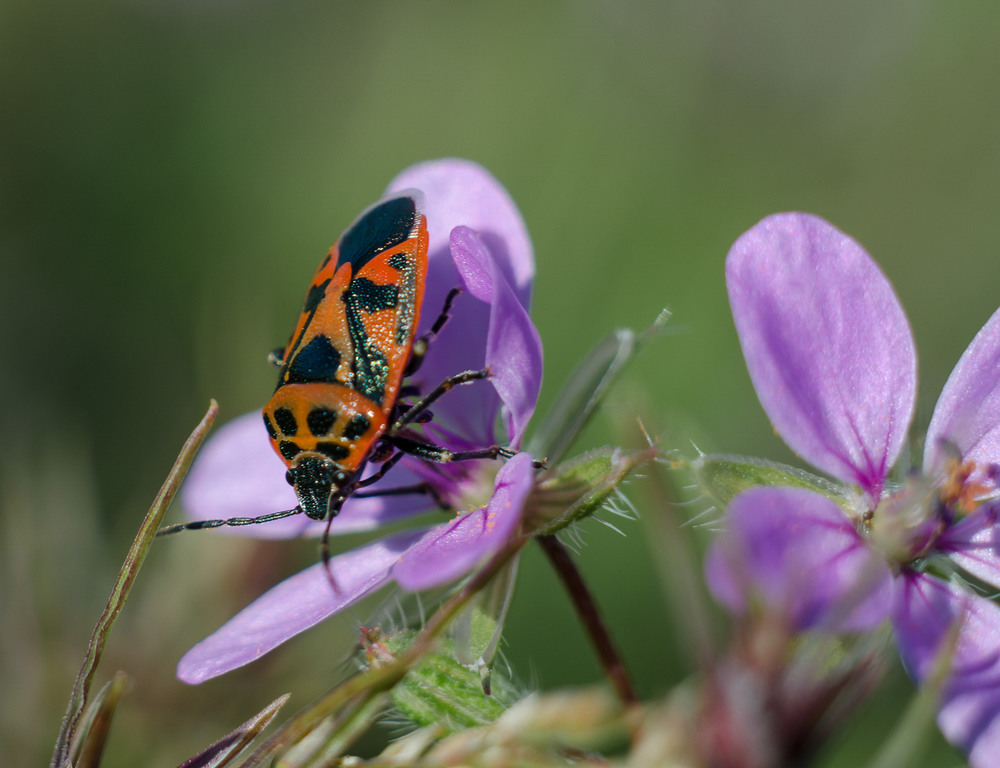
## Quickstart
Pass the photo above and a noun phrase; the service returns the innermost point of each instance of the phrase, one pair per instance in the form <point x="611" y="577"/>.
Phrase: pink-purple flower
<point x="477" y="241"/>
<point x="832" y="359"/>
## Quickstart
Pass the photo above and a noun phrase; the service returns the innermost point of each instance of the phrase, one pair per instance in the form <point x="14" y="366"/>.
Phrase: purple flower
<point x="478" y="241"/>
<point x="832" y="358"/>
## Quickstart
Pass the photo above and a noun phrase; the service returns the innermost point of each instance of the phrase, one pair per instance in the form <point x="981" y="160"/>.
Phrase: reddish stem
<point x="586" y="610"/>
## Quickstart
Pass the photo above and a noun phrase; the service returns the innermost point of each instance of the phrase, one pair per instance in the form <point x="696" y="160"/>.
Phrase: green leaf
<point x="440" y="690"/>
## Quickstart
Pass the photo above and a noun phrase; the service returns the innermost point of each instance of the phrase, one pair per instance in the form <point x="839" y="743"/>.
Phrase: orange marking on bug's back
<point x="345" y="402"/>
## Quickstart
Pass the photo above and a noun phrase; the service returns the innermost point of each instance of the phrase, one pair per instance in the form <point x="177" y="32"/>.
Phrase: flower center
<point x="475" y="488"/>
<point x="957" y="491"/>
<point x="906" y="524"/>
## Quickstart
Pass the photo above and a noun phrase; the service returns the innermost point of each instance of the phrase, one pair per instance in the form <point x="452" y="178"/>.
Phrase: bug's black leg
<point x="276" y="357"/>
<point x="413" y="414"/>
<point x="421" y="345"/>
<point x="199" y="525"/>
<point x="439" y="455"/>
<point x="405" y="490"/>
<point x="374" y="478"/>
<point x="421" y="418"/>
<point x="445" y="313"/>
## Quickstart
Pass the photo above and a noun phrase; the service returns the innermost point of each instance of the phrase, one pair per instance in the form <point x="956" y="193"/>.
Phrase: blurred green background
<point x="172" y="170"/>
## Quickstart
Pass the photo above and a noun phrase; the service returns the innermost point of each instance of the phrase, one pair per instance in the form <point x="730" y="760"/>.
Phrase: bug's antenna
<point x="199" y="525"/>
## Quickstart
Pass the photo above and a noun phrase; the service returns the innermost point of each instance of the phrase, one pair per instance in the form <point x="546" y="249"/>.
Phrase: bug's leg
<point x="276" y="357"/>
<point x="388" y="464"/>
<point x="413" y="414"/>
<point x="440" y="455"/>
<point x="423" y="417"/>
<point x="421" y="345"/>
<point x="405" y="490"/>
<point x="199" y="525"/>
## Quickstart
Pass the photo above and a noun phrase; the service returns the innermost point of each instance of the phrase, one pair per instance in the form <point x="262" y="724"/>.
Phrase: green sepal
<point x="721" y="476"/>
<point x="478" y="628"/>
<point x="579" y="487"/>
<point x="441" y="691"/>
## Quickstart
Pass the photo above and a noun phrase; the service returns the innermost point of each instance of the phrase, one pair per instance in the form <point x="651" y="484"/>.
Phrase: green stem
<point x="123" y="584"/>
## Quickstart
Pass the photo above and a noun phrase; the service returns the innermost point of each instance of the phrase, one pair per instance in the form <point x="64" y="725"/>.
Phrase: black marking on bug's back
<point x="313" y="298"/>
<point x="271" y="431"/>
<point x="399" y="261"/>
<point x="317" y="361"/>
<point x="334" y="451"/>
<point x="288" y="450"/>
<point x="404" y="263"/>
<point x="383" y="226"/>
<point x="285" y="421"/>
<point x="363" y="294"/>
<point x="370" y="365"/>
<point x="320" y="420"/>
<point x="356" y="427"/>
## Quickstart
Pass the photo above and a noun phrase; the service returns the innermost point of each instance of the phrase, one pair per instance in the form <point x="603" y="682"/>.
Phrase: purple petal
<point x="974" y="543"/>
<point x="827" y="345"/>
<point x="238" y="474"/>
<point x="967" y="414"/>
<point x="513" y="347"/>
<point x="451" y="550"/>
<point x="969" y="713"/>
<point x="797" y="554"/>
<point x="292" y="606"/>
<point x="459" y="192"/>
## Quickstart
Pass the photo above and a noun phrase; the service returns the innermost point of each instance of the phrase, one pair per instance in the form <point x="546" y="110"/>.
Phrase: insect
<point x="336" y="405"/>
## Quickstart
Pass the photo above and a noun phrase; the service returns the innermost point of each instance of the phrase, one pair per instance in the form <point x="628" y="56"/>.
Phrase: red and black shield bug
<point x="336" y="405"/>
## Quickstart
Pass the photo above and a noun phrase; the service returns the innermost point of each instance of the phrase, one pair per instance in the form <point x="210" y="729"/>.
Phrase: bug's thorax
<point x="331" y="420"/>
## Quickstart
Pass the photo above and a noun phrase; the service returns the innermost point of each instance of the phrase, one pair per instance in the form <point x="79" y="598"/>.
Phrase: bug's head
<point x="316" y="479"/>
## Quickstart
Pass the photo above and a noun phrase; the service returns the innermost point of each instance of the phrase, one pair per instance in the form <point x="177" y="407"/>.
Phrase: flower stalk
<point x="589" y="615"/>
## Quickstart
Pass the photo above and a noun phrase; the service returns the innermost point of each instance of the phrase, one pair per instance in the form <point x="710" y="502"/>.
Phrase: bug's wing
<point x="387" y="250"/>
<point x="361" y="311"/>
<point x="320" y="349"/>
